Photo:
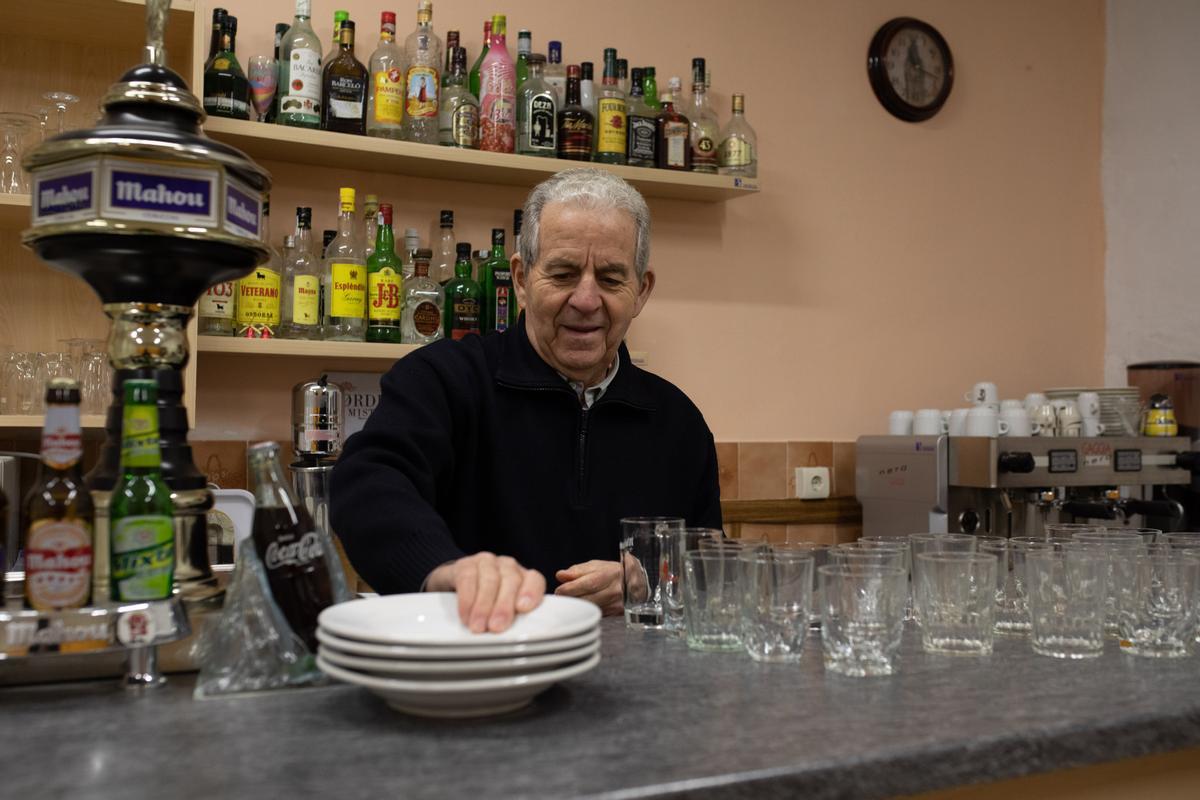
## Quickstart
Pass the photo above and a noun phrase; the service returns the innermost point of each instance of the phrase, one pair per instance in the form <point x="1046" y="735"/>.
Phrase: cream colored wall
<point x="883" y="265"/>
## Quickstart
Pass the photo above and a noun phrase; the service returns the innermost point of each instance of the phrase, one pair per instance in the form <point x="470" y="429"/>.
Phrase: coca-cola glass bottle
<point x="291" y="549"/>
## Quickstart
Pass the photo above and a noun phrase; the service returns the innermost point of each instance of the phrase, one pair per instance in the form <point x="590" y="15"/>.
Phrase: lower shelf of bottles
<point x="36" y="420"/>
<point x="301" y="348"/>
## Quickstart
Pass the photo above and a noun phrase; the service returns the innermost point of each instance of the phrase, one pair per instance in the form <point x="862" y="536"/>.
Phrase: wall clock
<point x="910" y="68"/>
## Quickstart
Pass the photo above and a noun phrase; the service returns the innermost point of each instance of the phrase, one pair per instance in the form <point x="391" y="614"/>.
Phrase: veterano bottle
<point x="288" y="545"/>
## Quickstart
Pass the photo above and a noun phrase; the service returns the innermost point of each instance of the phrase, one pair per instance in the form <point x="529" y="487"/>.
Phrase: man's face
<point x="583" y="292"/>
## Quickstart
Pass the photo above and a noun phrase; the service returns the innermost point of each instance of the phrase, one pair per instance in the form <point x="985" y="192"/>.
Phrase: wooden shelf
<point x="348" y="152"/>
<point x="110" y="22"/>
<point x="14" y="211"/>
<point x="299" y="348"/>
<point x="36" y="420"/>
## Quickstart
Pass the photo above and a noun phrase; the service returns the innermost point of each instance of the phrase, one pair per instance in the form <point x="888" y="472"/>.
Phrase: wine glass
<point x="61" y="100"/>
<point x="264" y="78"/>
<point x="14" y="125"/>
<point x="43" y="117"/>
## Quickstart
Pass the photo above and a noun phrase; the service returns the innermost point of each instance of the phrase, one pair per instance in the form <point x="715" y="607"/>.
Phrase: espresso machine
<point x="1013" y="486"/>
<point x="318" y="420"/>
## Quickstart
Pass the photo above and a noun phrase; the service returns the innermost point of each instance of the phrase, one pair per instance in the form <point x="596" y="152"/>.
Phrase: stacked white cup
<point x="1089" y="413"/>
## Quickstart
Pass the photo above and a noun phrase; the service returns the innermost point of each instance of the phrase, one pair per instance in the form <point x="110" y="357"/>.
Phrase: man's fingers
<point x="532" y="591"/>
<point x="485" y="593"/>
<point x="466" y="578"/>
<point x="506" y="595"/>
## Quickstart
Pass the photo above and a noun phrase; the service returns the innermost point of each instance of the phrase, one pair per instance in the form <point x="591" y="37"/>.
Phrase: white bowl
<point x="454" y="653"/>
<point x="431" y="619"/>
<point x="468" y="698"/>
<point x="457" y="669"/>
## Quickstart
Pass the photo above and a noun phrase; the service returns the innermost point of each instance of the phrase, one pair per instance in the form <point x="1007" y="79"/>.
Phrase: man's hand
<point x="491" y="590"/>
<point x="598" y="582"/>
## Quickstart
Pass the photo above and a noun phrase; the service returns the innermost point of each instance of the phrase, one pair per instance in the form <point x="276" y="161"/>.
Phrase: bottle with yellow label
<point x="258" y="293"/>
<point x="386" y="94"/>
<point x="300" y="314"/>
<point x="384" y="283"/>
<point x="346" y="277"/>
<point x="610" y="114"/>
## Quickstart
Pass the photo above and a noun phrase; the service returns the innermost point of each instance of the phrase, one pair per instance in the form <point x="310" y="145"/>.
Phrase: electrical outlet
<point x="812" y="483"/>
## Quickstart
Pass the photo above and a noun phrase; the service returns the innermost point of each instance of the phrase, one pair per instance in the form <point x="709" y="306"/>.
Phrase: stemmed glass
<point x="264" y="78"/>
<point x="61" y="101"/>
<point x="14" y="124"/>
<point x="43" y="117"/>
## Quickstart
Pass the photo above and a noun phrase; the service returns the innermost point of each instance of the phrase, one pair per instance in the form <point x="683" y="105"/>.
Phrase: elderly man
<point x="496" y="466"/>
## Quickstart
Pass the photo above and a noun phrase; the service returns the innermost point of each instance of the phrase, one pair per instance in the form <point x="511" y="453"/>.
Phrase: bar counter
<point x="652" y="720"/>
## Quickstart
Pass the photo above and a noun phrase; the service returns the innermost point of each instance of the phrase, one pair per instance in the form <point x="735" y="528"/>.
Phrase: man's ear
<point x="644" y="291"/>
<point x="519" y="275"/>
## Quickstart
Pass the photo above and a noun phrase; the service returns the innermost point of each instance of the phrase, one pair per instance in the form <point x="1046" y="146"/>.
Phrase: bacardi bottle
<point x="300" y="72"/>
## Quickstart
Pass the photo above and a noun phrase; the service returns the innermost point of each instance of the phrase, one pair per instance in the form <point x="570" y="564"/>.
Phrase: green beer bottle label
<point x="139" y="441"/>
<point x="143" y="557"/>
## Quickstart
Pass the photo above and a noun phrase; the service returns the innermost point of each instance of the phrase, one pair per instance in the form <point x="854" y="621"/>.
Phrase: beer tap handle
<point x="1151" y="508"/>
<point x="1078" y="508"/>
<point x="1189" y="461"/>
<point x="156" y="25"/>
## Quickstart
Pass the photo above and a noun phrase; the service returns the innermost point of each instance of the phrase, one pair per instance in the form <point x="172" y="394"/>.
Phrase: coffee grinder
<point x="317" y="423"/>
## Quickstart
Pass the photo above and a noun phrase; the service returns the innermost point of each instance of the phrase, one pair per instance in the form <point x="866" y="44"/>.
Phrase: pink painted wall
<point x="883" y="265"/>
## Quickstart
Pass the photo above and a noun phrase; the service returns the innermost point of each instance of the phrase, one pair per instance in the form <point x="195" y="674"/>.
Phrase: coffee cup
<point x="1069" y="421"/>
<point x="984" y="393"/>
<point x="1018" y="421"/>
<point x="984" y="420"/>
<point x="1045" y="420"/>
<point x="1034" y="400"/>
<point x="900" y="423"/>
<point x="1089" y="405"/>
<point x="958" y="422"/>
<point x="1093" y="427"/>
<point x="928" y="422"/>
<point x="1009" y="405"/>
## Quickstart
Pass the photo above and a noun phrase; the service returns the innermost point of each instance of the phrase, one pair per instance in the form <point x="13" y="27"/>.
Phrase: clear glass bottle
<point x="257" y="310"/>
<point x="576" y="125"/>
<point x="288" y="249"/>
<point x="555" y="73"/>
<point x="675" y="89"/>
<point x="524" y="50"/>
<point x="640" y="144"/>
<point x="452" y="41"/>
<point x="300" y="72"/>
<point x="442" y="268"/>
<point x="370" y="224"/>
<point x="346" y="276"/>
<point x="498" y="94"/>
<point x="623" y="78"/>
<point x="384" y="284"/>
<point x="216" y="311"/>
<point x="537" y="113"/>
<point x="385" y="100"/>
<point x="344" y="93"/>
<point x="423" y="64"/>
<point x="706" y="132"/>
<point x="300" y="317"/>
<point x="610" y="114"/>
<point x="412" y="241"/>
<point x="458" y="113"/>
<point x="423" y="304"/>
<point x="739" y="144"/>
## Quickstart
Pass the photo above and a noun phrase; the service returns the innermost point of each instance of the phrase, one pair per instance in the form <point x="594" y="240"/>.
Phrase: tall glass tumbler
<point x="712" y="600"/>
<point x="1067" y="591"/>
<point x="1012" y="600"/>
<point x="862" y="617"/>
<point x="676" y="543"/>
<point x="776" y="599"/>
<point x="919" y="543"/>
<point x="1158" y="615"/>
<point x="956" y="597"/>
<point x="642" y="568"/>
<point x="1120" y="550"/>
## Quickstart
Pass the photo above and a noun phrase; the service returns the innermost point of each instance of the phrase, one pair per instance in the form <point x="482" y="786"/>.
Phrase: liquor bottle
<point x="58" y="513"/>
<point x="288" y="545"/>
<point x="345" y="88"/>
<point x="442" y="268"/>
<point x="370" y="224"/>
<point x="385" y="102"/>
<point x="675" y="88"/>
<point x="339" y="16"/>
<point x="477" y="67"/>
<point x="706" y="133"/>
<point x="423" y="57"/>
<point x="587" y="88"/>
<point x="408" y="254"/>
<point x="524" y="50"/>
<point x="384" y="283"/>
<point x="214" y="40"/>
<point x="142" y="530"/>
<point x="327" y="236"/>
<point x="537" y="113"/>
<point x="555" y="73"/>
<point x="217" y="309"/>
<point x="575" y="123"/>
<point x="478" y="259"/>
<point x="639" y="147"/>
<point x="423" y="303"/>
<point x="346" y="276"/>
<point x="462" y="297"/>
<point x="226" y="90"/>
<point x="281" y="29"/>
<point x="739" y="144"/>
<point x="518" y="218"/>
<point x="610" y="114"/>
<point x="672" y="137"/>
<point x="499" y="300"/>
<point x="623" y="78"/>
<point x="258" y="292"/>
<point x="300" y="72"/>
<point x="458" y="113"/>
<point x="498" y="94"/>
<point x="650" y="89"/>
<point x="301" y="301"/>
<point x="451" y="43"/>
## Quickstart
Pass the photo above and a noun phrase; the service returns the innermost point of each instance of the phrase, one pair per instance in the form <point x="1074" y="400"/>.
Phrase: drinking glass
<point x="883" y="557"/>
<point x="263" y="74"/>
<point x="1147" y="535"/>
<point x="1120" y="551"/>
<point x="1068" y="529"/>
<point x="43" y="120"/>
<point x="642" y="568"/>
<point x="54" y="365"/>
<point x="1066" y="602"/>
<point x="22" y="389"/>
<point x="1183" y="540"/>
<point x="1012" y="602"/>
<point x="862" y="617"/>
<point x="820" y="553"/>
<point x="61" y="101"/>
<point x="95" y="381"/>
<point x="932" y="543"/>
<point x="1158" y="616"/>
<point x="776" y="600"/>
<point x="677" y="542"/>
<point x="956" y="597"/>
<point x="14" y="125"/>
<point x="711" y="606"/>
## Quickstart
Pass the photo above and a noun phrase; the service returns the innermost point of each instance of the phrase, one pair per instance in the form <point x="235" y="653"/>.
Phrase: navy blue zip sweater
<point x="479" y="444"/>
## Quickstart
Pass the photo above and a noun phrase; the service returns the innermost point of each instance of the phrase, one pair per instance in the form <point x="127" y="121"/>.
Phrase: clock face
<point x="915" y="67"/>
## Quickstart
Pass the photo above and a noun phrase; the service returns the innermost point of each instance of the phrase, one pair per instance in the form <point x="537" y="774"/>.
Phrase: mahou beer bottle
<point x="58" y="510"/>
<point x="288" y="545"/>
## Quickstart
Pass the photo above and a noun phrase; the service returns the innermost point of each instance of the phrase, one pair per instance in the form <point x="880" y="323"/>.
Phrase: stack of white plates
<point x="1120" y="407"/>
<point x="412" y="650"/>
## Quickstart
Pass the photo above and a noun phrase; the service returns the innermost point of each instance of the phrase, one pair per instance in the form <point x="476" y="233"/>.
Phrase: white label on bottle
<point x="303" y="89"/>
<point x="345" y="109"/>
<point x="217" y="301"/>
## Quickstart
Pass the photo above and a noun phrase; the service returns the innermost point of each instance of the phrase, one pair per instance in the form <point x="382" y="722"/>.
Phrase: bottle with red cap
<point x="386" y="95"/>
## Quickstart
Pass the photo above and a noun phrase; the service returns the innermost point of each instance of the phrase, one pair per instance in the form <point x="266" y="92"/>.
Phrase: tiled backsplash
<point x="767" y="470"/>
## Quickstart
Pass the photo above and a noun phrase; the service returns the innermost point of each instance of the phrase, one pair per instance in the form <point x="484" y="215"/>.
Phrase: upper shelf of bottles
<point x="346" y="151"/>
<point x="110" y="23"/>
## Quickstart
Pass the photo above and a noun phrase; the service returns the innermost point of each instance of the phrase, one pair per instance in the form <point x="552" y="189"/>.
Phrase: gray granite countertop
<point x="653" y="720"/>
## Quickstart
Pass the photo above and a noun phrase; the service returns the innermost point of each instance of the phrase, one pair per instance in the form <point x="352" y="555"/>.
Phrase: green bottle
<point x="142" y="537"/>
<point x="384" y="276"/>
<point x="524" y="50"/>
<point x="473" y="75"/>
<point x="462" y="296"/>
<point x="499" y="299"/>
<point x="650" y="89"/>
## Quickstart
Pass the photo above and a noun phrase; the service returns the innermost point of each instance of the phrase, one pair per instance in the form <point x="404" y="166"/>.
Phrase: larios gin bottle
<point x="346" y="272"/>
<point x="498" y="94"/>
<point x="300" y="72"/>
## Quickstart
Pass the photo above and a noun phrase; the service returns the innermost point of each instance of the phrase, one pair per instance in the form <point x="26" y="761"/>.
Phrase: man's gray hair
<point x="592" y="189"/>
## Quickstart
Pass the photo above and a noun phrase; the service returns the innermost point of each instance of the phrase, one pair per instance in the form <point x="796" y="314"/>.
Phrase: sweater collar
<point x="521" y="367"/>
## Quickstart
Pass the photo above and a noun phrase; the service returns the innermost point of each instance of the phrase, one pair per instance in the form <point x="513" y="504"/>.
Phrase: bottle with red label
<point x="58" y="512"/>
